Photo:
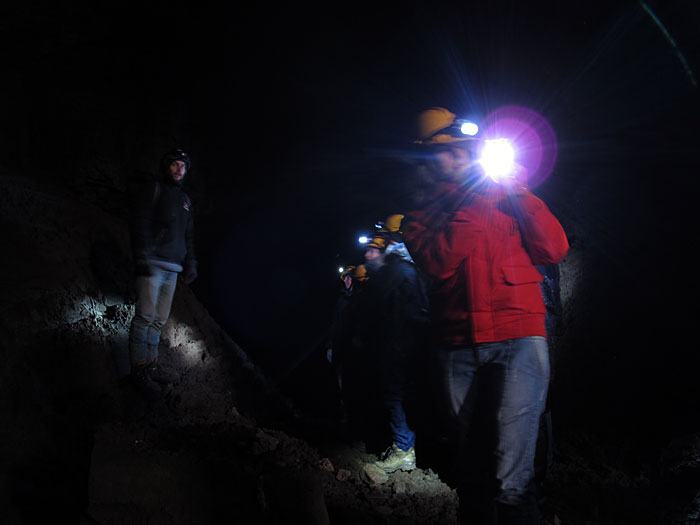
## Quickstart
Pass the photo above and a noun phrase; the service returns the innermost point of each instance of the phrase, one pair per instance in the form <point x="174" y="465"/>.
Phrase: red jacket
<point x="479" y="246"/>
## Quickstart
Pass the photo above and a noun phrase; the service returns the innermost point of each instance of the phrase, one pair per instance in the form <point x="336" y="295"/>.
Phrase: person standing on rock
<point x="162" y="239"/>
<point x="478" y="240"/>
<point x="392" y="321"/>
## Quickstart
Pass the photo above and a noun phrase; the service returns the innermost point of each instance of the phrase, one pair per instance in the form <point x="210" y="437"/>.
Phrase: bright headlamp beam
<point x="498" y="158"/>
<point x="363" y="240"/>
<point x="469" y="128"/>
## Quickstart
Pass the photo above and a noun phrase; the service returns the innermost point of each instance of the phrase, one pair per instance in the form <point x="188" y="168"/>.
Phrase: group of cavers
<point x="378" y="344"/>
<point x="445" y="331"/>
<point x="451" y="318"/>
<point x="378" y="334"/>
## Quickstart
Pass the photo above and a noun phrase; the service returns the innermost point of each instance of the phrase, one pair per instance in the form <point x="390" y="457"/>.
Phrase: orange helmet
<point x="347" y="272"/>
<point x="378" y="242"/>
<point x="439" y="126"/>
<point x="360" y="274"/>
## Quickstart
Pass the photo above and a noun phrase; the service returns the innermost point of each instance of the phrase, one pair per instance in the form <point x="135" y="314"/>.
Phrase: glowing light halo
<point x="531" y="136"/>
<point x="497" y="158"/>
<point x="469" y="128"/>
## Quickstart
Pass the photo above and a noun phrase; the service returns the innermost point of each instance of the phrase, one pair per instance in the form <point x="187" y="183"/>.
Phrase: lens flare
<point x="497" y="158"/>
<point x="531" y="137"/>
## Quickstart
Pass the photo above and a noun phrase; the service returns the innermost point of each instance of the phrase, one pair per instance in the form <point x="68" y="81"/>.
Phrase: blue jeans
<point x="496" y="394"/>
<point x="153" y="302"/>
<point x="401" y="433"/>
<point x="399" y="389"/>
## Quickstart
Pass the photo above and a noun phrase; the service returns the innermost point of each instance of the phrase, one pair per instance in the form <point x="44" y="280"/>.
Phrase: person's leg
<point x="460" y="372"/>
<point x="161" y="312"/>
<point x="394" y="382"/>
<point x="395" y="385"/>
<point x="523" y="372"/>
<point x="401" y="432"/>
<point x="147" y="290"/>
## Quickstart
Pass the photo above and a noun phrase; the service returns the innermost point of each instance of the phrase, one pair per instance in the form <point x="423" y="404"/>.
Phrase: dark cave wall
<point x="65" y="307"/>
<point x="625" y="359"/>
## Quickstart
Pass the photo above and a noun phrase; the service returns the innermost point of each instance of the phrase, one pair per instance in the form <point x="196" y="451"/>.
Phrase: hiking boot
<point x="160" y="374"/>
<point x="142" y="381"/>
<point x="397" y="459"/>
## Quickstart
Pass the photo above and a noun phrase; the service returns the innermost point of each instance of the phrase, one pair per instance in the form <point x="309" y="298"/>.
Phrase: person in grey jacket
<point x="162" y="238"/>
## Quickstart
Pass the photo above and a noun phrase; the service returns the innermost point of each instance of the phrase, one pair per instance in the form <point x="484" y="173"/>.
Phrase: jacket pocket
<point x="515" y="275"/>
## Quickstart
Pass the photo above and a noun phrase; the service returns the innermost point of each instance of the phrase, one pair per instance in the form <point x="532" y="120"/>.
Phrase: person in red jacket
<point x="479" y="241"/>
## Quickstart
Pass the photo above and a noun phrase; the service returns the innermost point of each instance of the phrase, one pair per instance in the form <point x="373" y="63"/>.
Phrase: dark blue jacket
<point x="162" y="226"/>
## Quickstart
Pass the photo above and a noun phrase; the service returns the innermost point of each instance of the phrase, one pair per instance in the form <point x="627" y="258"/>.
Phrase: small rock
<point x="264" y="443"/>
<point x="326" y="465"/>
<point x="343" y="475"/>
<point x="371" y="473"/>
<point x="399" y="487"/>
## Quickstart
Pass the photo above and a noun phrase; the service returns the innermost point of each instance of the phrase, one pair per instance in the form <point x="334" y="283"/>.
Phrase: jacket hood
<point x="400" y="251"/>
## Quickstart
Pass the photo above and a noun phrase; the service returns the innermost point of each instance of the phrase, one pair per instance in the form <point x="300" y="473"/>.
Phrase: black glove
<point x="189" y="273"/>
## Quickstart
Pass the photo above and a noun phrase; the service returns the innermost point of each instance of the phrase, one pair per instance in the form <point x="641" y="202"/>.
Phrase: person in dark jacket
<point x="478" y="240"/>
<point x="334" y="343"/>
<point x="392" y="320"/>
<point x="162" y="238"/>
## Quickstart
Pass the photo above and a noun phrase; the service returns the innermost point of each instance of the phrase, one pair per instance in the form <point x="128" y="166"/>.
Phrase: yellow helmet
<point x="378" y="242"/>
<point x="360" y="274"/>
<point x="392" y="224"/>
<point x="436" y="125"/>
<point x="347" y="272"/>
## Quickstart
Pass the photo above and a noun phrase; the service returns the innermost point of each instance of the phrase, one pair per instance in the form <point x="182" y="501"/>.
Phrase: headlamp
<point x="460" y="128"/>
<point x="466" y="127"/>
<point x="498" y="159"/>
<point x="363" y="239"/>
<point x="516" y="143"/>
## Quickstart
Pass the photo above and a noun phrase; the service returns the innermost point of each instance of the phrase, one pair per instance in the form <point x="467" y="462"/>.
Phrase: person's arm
<point x="439" y="250"/>
<point x="543" y="236"/>
<point x="189" y="272"/>
<point x="142" y="226"/>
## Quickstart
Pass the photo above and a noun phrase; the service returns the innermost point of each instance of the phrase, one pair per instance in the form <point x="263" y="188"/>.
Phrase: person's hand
<point x="513" y="186"/>
<point x="515" y="183"/>
<point x="189" y="273"/>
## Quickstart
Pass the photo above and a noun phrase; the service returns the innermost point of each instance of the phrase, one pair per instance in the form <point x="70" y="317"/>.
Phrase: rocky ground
<point x="224" y="443"/>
